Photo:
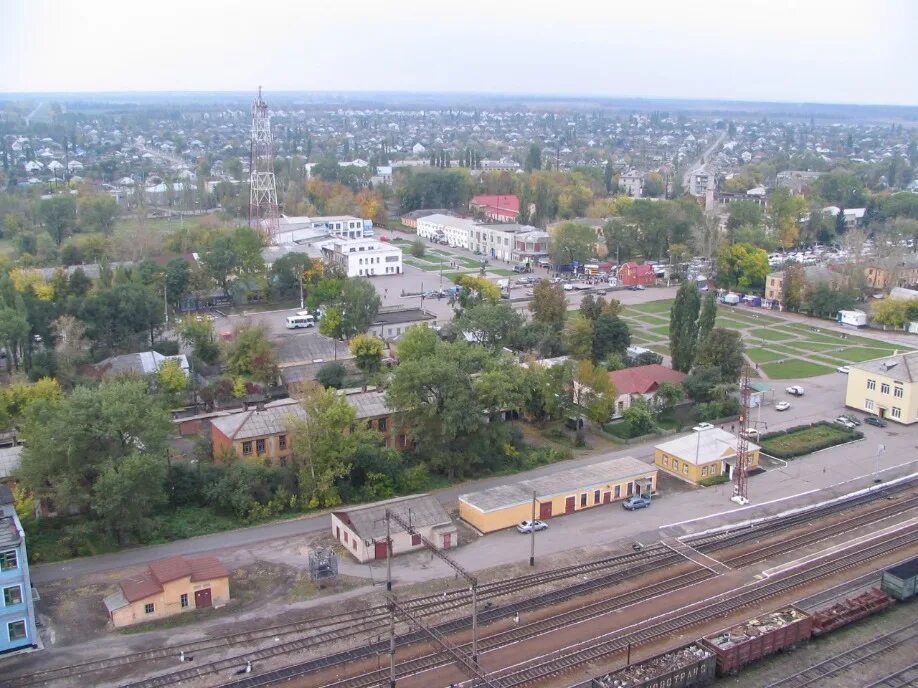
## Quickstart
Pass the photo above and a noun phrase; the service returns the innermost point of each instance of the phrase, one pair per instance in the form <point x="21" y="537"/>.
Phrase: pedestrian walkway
<point x="693" y="555"/>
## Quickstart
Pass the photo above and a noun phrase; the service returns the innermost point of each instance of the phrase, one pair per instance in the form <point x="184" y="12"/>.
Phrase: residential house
<point x="168" y="587"/>
<point x="363" y="257"/>
<point x="798" y="181"/>
<point x="500" y="208"/>
<point x="885" y="387"/>
<point x="371" y="408"/>
<point x="632" y="183"/>
<point x="640" y="382"/>
<point x="702" y="454"/>
<point x="502" y="165"/>
<point x="854" y="217"/>
<point x="631" y="274"/>
<point x="17" y="613"/>
<point x="361" y="530"/>
<point x="143" y="363"/>
<point x="391" y="323"/>
<point x="456" y="231"/>
<point x="258" y="434"/>
<point x="900" y="271"/>
<point x="530" y="246"/>
<point x="812" y="275"/>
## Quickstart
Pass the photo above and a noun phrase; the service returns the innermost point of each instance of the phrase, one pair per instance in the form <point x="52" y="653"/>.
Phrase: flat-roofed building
<point x="565" y="492"/>
<point x="363" y="257"/>
<point x="456" y="231"/>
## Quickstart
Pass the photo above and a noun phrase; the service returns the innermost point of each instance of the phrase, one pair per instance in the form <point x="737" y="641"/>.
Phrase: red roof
<point x="165" y="570"/>
<point x="637" y="269"/>
<point x="505" y="204"/>
<point x="643" y="379"/>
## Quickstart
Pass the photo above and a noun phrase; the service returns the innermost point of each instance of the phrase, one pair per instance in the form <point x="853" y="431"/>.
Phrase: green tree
<point x="368" y="352"/>
<point x="723" y="349"/>
<point x="610" y="336"/>
<point x="640" y="418"/>
<point x="701" y="383"/>
<point x="494" y="325"/>
<point x="578" y="336"/>
<point x="358" y="304"/>
<point x="116" y="315"/>
<point x="418" y="248"/>
<point x="742" y="266"/>
<point x="654" y="186"/>
<point x="895" y="312"/>
<point x="475" y="290"/>
<point x="573" y="242"/>
<point x="251" y="354"/>
<point x="708" y="315"/>
<point x="199" y="334"/>
<point x="323" y="445"/>
<point x="591" y="307"/>
<point x="418" y="341"/>
<point x="71" y="440"/>
<point x="549" y="304"/>
<point x="331" y="374"/>
<point x="824" y="301"/>
<point x="592" y="391"/>
<point x="786" y="211"/>
<point x="14" y="335"/>
<point x="58" y="214"/>
<point x="793" y="286"/>
<point x="98" y="212"/>
<point x="177" y="278"/>
<point x="171" y="380"/>
<point x="331" y="324"/>
<point x="533" y="158"/>
<point x="668" y="394"/>
<point x="745" y="213"/>
<point x="219" y="261"/>
<point x="127" y="493"/>
<point x="683" y="326"/>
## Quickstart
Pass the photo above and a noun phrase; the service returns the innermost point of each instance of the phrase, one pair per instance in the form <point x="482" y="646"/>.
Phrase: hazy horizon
<point x="843" y="52"/>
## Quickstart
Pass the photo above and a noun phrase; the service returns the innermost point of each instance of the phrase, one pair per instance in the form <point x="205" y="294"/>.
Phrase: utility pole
<point x="740" y="471"/>
<point x="302" y="303"/>
<point x="532" y="532"/>
<point x="263" y="210"/>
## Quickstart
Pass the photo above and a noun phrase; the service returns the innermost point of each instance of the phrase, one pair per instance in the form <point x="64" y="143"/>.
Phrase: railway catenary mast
<point x="741" y="470"/>
<point x="263" y="211"/>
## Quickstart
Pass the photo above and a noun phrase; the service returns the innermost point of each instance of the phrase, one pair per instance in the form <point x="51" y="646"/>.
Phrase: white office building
<point x="456" y="230"/>
<point x="363" y="257"/>
<point x="293" y="230"/>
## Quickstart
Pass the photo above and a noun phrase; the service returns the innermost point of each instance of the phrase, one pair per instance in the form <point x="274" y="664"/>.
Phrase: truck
<point x="732" y="298"/>
<point x="852" y="318"/>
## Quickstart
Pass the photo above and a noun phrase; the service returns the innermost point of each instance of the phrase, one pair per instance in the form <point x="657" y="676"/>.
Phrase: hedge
<point x="807" y="439"/>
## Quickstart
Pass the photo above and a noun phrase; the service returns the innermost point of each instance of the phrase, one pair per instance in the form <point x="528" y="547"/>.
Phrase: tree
<point x="668" y="394"/>
<point x="331" y="374"/>
<point x="549" y="304"/>
<point x="683" y="326"/>
<point x="358" y="304"/>
<point x="418" y="248"/>
<point x="794" y="286"/>
<point x="572" y="242"/>
<point x="98" y="212"/>
<point x="824" y="301"/>
<point x="251" y="354"/>
<point x="69" y="347"/>
<point x="128" y="492"/>
<point x="786" y="211"/>
<point x="14" y="334"/>
<point x="417" y="342"/>
<point x="286" y="272"/>
<point x="701" y="382"/>
<point x="368" y="351"/>
<point x="219" y="261"/>
<point x="70" y="441"/>
<point x="533" y="158"/>
<point x="58" y="214"/>
<point x="324" y="443"/>
<point x="199" y="334"/>
<point x="640" y="418"/>
<point x="116" y="315"/>
<point x="177" y="278"/>
<point x="610" y="336"/>
<point x="475" y="289"/>
<point x="895" y="312"/>
<point x="331" y="324"/>
<point x="578" y="336"/>
<point x="742" y="266"/>
<point x="708" y="315"/>
<point x="494" y="325"/>
<point x="722" y="348"/>
<point x="591" y="307"/>
<point x="654" y="186"/>
<point x="171" y="379"/>
<point x="593" y="391"/>
<point x="745" y="213"/>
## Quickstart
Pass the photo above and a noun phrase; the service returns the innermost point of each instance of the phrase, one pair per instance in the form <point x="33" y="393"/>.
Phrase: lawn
<point x="731" y="324"/>
<point x="662" y="349"/>
<point x="770" y="334"/>
<point x="663" y="306"/>
<point x="856" y="354"/>
<point x="806" y="439"/>
<point x="662" y="331"/>
<point x="763" y="355"/>
<point x="652" y="320"/>
<point x="502" y="272"/>
<point x="794" y="369"/>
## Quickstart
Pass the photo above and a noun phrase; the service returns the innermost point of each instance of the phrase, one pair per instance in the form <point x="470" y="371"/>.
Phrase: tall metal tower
<point x="263" y="211"/>
<point x="741" y="470"/>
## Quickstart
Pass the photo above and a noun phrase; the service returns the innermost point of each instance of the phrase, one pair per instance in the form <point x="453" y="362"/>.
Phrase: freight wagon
<point x="849" y="610"/>
<point x="765" y="635"/>
<point x="901" y="581"/>
<point x="691" y="665"/>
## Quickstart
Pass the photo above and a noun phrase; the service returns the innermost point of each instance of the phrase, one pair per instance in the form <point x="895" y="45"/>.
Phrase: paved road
<point x="824" y="400"/>
<point x="700" y="162"/>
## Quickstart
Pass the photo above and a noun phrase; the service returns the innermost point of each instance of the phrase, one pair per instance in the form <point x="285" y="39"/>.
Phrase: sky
<point x="835" y="51"/>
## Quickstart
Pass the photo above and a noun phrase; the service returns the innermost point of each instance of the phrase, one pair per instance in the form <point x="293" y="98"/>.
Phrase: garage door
<point x="606" y="497"/>
<point x="570" y="504"/>
<point x="202" y="598"/>
<point x="545" y="510"/>
<point x="381" y="550"/>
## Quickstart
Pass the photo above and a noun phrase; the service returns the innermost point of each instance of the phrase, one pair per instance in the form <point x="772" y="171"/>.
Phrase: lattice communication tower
<point x="263" y="212"/>
<point x="741" y="470"/>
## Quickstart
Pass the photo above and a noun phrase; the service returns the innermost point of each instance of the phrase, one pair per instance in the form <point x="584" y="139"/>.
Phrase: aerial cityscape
<point x="569" y="346"/>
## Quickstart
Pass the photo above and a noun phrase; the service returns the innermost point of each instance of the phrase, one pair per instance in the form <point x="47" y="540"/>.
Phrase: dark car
<point x="636" y="502"/>
<point x="875" y="421"/>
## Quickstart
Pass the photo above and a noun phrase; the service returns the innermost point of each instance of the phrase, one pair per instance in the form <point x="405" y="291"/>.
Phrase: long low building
<point x="564" y="492"/>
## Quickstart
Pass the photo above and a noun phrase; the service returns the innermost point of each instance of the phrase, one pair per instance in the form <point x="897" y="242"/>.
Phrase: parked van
<point x="297" y="321"/>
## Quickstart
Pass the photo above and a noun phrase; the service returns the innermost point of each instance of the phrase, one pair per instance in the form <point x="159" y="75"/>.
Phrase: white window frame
<point x="3" y="558"/>
<point x="896" y="412"/>
<point x="898" y="392"/>
<point x="9" y="632"/>
<point x="18" y="587"/>
<point x="884" y="388"/>
<point x="871" y="384"/>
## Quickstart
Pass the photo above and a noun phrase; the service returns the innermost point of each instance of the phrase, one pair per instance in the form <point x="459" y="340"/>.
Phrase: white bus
<point x="296" y="321"/>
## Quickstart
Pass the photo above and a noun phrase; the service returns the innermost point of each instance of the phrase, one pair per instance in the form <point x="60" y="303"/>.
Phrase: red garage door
<point x="545" y="510"/>
<point x="570" y="504"/>
<point x="606" y="497"/>
<point x="202" y="598"/>
<point x="381" y="550"/>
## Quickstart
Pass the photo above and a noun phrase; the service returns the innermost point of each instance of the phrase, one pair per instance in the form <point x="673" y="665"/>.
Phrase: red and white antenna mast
<point x="263" y="212"/>
<point x="741" y="470"/>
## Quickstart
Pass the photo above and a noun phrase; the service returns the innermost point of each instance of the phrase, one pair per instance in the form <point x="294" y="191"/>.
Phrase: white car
<point x="782" y="406"/>
<point x="568" y="286"/>
<point x="843" y="369"/>
<point x="751" y="434"/>
<point x="527" y="527"/>
<point x="703" y="426"/>
<point x="841" y="420"/>
<point x="796" y="390"/>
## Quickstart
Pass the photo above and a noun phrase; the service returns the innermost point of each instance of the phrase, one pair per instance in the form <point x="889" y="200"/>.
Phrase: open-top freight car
<point x="691" y="665"/>
<point x="849" y="610"/>
<point x="737" y="646"/>
<point x="901" y="581"/>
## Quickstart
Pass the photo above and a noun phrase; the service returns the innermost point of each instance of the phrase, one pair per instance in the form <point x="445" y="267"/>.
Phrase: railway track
<point x="601" y="648"/>
<point x="844" y="661"/>
<point x="904" y="678"/>
<point x="373" y="621"/>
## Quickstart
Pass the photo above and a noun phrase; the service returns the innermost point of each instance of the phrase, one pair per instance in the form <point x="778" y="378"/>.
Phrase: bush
<point x="714" y="480"/>
<point x="331" y="375"/>
<point x="166" y="347"/>
<point x="418" y="249"/>
<point x="806" y="439"/>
